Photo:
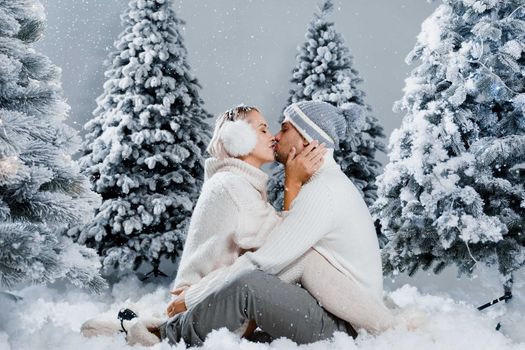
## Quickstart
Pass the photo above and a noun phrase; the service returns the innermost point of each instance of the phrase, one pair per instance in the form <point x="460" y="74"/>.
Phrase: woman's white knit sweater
<point x="326" y="240"/>
<point x="230" y="216"/>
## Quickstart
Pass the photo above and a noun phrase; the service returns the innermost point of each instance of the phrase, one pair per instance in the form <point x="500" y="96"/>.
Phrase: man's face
<point x="287" y="138"/>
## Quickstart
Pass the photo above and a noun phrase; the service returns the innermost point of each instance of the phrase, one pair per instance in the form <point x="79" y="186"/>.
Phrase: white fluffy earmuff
<point x="238" y="138"/>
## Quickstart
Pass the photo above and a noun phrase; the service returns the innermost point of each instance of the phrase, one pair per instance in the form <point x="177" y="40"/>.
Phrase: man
<point x="328" y="215"/>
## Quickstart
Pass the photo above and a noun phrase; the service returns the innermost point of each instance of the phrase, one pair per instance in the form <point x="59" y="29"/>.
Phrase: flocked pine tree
<point x="145" y="145"/>
<point x="41" y="189"/>
<point x="325" y="72"/>
<point x="453" y="190"/>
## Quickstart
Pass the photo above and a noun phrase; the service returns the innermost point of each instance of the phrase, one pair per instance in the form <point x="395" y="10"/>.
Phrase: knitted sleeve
<point x="256" y="219"/>
<point x="307" y="221"/>
<point x="214" y="218"/>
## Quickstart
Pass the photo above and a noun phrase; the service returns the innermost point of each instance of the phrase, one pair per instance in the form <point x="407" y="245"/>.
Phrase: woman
<point x="232" y="214"/>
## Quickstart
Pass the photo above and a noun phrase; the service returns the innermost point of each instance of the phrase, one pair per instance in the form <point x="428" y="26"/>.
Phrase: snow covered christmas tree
<point x="145" y="145"/>
<point x="453" y="192"/>
<point x="324" y="72"/>
<point x="41" y="189"/>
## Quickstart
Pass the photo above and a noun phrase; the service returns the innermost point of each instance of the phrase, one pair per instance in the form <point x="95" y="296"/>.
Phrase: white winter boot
<point x="106" y="326"/>
<point x="139" y="333"/>
<point x="411" y="317"/>
<point x="103" y="326"/>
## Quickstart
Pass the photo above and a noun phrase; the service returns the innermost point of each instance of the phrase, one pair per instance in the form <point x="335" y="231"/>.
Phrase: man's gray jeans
<point x="278" y="308"/>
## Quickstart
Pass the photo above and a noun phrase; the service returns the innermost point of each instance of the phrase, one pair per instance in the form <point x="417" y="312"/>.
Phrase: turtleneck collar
<point x="255" y="176"/>
<point x="328" y="162"/>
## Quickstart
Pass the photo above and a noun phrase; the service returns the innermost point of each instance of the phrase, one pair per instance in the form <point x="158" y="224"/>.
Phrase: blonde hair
<point x="240" y="112"/>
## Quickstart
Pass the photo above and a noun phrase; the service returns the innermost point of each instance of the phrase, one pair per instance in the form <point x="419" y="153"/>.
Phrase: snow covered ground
<point x="50" y="318"/>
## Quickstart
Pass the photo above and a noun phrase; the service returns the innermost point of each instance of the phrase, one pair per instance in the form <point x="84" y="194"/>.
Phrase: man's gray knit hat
<point x="317" y="120"/>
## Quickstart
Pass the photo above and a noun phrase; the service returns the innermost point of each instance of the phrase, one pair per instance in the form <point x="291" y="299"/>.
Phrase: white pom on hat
<point x="238" y="138"/>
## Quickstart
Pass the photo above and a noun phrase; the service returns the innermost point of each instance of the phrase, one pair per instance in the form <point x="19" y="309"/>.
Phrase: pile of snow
<point x="50" y="318"/>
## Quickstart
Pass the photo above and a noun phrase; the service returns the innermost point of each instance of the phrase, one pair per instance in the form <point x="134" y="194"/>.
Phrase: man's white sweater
<point x="330" y="216"/>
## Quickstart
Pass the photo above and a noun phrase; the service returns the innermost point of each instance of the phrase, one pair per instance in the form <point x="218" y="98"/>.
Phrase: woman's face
<point x="263" y="151"/>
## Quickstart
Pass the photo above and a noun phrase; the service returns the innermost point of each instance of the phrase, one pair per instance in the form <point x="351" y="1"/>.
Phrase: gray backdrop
<point x="241" y="51"/>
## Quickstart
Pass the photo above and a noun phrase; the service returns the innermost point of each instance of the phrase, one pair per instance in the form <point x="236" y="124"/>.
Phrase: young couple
<point x="303" y="273"/>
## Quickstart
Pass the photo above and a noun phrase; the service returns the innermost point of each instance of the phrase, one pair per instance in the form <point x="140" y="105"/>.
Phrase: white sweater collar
<point x="329" y="162"/>
<point x="255" y="176"/>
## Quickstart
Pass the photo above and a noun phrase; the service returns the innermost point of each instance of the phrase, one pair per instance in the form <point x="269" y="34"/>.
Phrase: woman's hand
<point x="299" y="168"/>
<point x="179" y="304"/>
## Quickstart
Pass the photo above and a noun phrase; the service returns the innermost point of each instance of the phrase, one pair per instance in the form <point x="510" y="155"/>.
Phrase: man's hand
<point x="299" y="168"/>
<point x="178" y="291"/>
<point x="178" y="305"/>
